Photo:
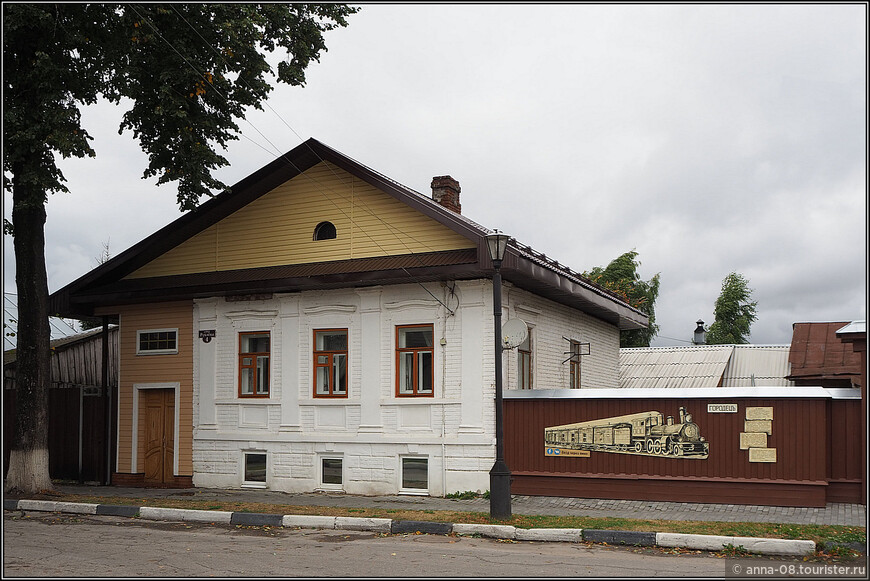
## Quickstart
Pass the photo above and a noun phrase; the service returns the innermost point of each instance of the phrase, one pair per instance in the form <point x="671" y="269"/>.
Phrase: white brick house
<point x="324" y="328"/>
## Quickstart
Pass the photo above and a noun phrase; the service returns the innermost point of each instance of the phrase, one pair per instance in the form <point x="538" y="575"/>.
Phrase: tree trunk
<point x="28" y="461"/>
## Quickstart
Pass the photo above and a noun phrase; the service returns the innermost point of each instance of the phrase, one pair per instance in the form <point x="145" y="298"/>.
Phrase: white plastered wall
<point x="372" y="430"/>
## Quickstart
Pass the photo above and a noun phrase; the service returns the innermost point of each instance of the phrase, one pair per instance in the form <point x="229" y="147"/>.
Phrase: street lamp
<point x="499" y="475"/>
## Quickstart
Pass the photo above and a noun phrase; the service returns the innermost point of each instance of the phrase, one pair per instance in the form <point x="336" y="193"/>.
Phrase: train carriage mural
<point x="645" y="433"/>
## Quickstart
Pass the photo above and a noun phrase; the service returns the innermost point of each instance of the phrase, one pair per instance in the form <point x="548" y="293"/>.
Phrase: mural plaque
<point x="765" y="426"/>
<point x="644" y="434"/>
<point x="753" y="440"/>
<point x="759" y="413"/>
<point x="762" y="454"/>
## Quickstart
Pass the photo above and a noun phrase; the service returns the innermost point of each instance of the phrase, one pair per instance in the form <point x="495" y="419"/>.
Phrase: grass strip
<point x="814" y="532"/>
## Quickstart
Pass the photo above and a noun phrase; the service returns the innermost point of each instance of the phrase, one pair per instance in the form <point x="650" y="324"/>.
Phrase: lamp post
<point x="499" y="475"/>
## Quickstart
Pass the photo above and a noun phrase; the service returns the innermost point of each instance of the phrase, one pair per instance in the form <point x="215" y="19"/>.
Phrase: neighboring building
<point x="704" y="366"/>
<point x="322" y="327"/>
<point x="819" y="357"/>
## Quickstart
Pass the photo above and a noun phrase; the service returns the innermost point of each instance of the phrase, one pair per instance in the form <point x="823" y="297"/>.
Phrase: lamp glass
<point x="497" y="244"/>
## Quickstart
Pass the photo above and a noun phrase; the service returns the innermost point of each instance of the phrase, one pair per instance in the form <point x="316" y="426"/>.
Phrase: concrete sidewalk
<point x="832" y="514"/>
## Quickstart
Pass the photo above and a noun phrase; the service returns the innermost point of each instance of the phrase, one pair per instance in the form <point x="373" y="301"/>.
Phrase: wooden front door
<point x="158" y="412"/>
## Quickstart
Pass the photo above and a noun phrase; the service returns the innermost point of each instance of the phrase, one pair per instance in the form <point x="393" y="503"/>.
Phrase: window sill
<point x="417" y="401"/>
<point x="329" y="401"/>
<point x="257" y="485"/>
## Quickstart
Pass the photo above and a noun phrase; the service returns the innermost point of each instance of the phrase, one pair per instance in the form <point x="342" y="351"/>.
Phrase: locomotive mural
<point x="646" y="433"/>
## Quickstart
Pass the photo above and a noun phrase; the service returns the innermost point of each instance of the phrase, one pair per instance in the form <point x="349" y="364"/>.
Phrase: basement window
<point x="415" y="474"/>
<point x="324" y="231"/>
<point x="255" y="469"/>
<point x="331" y="473"/>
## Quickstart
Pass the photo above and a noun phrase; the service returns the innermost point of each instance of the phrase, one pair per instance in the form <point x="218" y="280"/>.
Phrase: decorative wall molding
<point x="329" y="309"/>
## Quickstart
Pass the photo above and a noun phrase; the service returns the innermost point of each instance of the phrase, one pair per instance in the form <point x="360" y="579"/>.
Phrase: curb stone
<point x="256" y="519"/>
<point x="308" y="521"/>
<point x="557" y="535"/>
<point x="689" y="541"/>
<point x="359" y="523"/>
<point x="185" y="515"/>
<point x="492" y="531"/>
<point x="854" y="545"/>
<point x="117" y="510"/>
<point x="751" y="544"/>
<point x="633" y="538"/>
<point x="413" y="526"/>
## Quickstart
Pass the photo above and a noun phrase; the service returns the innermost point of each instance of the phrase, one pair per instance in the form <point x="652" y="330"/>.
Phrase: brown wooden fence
<point x="811" y="455"/>
<point x="77" y="405"/>
<point x="74" y="452"/>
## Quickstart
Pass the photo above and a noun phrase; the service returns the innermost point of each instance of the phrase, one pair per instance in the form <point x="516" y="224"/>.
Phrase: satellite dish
<point x="513" y="333"/>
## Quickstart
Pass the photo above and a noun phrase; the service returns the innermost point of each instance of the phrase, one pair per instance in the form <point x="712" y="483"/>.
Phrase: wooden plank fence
<point x="77" y="438"/>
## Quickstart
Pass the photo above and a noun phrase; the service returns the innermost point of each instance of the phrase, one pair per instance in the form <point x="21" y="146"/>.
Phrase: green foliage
<point x="188" y="70"/>
<point x="621" y="277"/>
<point x="731" y="551"/>
<point x="467" y="495"/>
<point x="734" y="312"/>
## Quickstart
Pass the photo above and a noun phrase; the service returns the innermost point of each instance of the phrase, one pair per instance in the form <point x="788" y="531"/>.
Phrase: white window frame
<point x="323" y="485"/>
<point x="139" y="351"/>
<point x="254" y="483"/>
<point x="401" y="471"/>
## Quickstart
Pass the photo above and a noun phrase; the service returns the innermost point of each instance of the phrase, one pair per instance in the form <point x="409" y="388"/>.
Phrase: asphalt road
<point x="63" y="545"/>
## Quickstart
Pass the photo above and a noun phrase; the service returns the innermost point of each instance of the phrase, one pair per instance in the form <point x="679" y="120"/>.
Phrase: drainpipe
<point x="108" y="400"/>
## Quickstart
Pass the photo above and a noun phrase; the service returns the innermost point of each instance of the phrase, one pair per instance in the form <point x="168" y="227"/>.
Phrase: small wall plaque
<point x="759" y="413"/>
<point x="762" y="454"/>
<point x="721" y="408"/>
<point x="207" y="335"/>
<point x="549" y="451"/>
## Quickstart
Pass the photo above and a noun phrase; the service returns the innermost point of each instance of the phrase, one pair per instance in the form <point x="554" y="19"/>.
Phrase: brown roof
<point x="817" y="353"/>
<point x="105" y="285"/>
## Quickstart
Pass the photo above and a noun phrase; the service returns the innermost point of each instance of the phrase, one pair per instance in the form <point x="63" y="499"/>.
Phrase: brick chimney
<point x="445" y="191"/>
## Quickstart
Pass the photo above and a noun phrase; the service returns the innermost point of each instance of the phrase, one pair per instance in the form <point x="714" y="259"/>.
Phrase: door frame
<point x="176" y="386"/>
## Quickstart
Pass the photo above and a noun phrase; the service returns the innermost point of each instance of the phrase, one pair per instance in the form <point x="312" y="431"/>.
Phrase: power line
<point x="320" y="187"/>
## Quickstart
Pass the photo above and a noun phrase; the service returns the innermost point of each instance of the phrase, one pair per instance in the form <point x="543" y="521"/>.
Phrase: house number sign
<point x="207" y="335"/>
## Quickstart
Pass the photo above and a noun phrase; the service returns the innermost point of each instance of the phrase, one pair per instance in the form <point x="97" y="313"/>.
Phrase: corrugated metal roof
<point x="704" y="366"/>
<point x="673" y="367"/>
<point x="758" y="365"/>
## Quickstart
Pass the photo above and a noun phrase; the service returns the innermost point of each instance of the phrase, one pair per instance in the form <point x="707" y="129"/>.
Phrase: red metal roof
<point x="818" y="354"/>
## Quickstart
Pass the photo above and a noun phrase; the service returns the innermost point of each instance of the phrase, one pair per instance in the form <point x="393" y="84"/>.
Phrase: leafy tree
<point x="621" y="277"/>
<point x="734" y="312"/>
<point x="188" y="71"/>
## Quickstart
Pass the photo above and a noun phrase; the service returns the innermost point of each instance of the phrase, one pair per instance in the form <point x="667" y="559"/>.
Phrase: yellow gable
<point x="278" y="228"/>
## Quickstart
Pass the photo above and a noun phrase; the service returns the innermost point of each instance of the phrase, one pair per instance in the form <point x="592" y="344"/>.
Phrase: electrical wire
<point x="320" y="187"/>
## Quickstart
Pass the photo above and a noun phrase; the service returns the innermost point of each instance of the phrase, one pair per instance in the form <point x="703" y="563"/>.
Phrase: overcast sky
<point x="709" y="138"/>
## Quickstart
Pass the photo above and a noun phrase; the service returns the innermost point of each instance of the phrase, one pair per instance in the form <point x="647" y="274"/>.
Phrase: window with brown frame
<point x="254" y="352"/>
<point x="330" y="363"/>
<point x="574" y="363"/>
<point x="415" y="375"/>
<point x="524" y="363"/>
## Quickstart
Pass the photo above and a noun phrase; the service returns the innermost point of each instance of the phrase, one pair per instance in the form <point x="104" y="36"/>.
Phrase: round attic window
<point x="324" y="231"/>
